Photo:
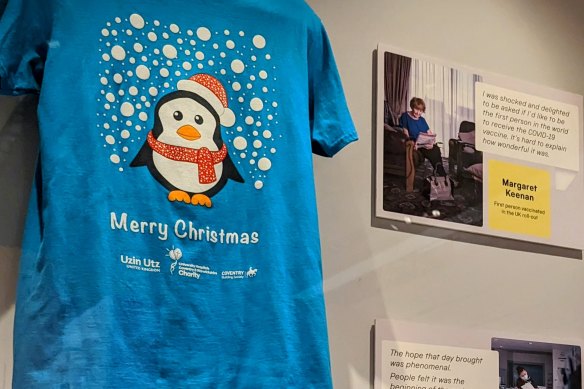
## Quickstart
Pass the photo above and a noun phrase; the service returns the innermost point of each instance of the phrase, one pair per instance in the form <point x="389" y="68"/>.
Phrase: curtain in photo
<point x="449" y="96"/>
<point x="397" y="85"/>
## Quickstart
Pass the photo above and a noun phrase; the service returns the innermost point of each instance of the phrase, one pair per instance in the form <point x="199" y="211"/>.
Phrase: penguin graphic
<point x="184" y="151"/>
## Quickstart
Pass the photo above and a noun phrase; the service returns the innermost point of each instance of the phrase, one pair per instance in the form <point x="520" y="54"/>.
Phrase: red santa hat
<point x="210" y="89"/>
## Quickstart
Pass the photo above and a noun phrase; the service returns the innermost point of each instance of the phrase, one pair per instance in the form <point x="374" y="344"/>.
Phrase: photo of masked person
<point x="524" y="378"/>
<point x="414" y="124"/>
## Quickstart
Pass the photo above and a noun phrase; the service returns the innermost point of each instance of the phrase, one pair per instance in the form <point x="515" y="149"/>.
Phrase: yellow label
<point x="519" y="199"/>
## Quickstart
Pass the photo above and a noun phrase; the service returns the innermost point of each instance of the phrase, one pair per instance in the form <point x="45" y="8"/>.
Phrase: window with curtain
<point x="448" y="94"/>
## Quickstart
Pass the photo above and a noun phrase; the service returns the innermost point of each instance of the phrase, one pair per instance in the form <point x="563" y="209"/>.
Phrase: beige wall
<point x="372" y="273"/>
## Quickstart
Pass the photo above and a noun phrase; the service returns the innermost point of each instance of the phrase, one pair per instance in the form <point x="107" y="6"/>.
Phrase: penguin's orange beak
<point x="189" y="132"/>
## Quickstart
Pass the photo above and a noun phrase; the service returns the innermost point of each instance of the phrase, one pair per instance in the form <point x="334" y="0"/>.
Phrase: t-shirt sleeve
<point x="24" y="33"/>
<point x="424" y="125"/>
<point x="330" y="121"/>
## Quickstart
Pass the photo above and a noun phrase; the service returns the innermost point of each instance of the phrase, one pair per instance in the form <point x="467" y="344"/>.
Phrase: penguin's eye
<point x="199" y="119"/>
<point x="178" y="115"/>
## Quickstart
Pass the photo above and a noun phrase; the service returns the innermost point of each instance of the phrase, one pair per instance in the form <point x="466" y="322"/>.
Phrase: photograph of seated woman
<point x="524" y="378"/>
<point x="414" y="123"/>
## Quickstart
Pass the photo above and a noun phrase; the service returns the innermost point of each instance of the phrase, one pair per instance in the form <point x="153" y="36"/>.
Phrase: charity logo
<point x="175" y="255"/>
<point x="187" y="269"/>
<point x="196" y="107"/>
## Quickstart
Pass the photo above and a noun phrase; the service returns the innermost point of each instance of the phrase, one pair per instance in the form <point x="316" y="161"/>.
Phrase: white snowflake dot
<point x="170" y="51"/>
<point x="203" y="33"/>
<point x="127" y="109"/>
<point x="237" y="66"/>
<point x="118" y="52"/>
<point x="240" y="143"/>
<point x="264" y="164"/>
<point x="137" y="21"/>
<point x="143" y="72"/>
<point x="256" y="104"/>
<point x="115" y="158"/>
<point x="259" y="41"/>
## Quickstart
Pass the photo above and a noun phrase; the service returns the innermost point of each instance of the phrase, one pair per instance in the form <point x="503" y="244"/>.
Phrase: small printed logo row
<point x="184" y="269"/>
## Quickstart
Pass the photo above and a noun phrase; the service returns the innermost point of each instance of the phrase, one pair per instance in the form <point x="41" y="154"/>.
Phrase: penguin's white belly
<point x="184" y="175"/>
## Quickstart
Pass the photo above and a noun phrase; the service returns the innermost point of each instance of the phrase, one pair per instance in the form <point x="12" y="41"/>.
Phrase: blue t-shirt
<point x="172" y="237"/>
<point x="414" y="127"/>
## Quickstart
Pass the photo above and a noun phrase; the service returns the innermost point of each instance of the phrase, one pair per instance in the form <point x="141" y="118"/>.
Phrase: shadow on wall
<point x="18" y="150"/>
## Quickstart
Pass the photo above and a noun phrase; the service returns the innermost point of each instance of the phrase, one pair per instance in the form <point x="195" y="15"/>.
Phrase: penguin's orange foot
<point x="179" y="195"/>
<point x="201" y="199"/>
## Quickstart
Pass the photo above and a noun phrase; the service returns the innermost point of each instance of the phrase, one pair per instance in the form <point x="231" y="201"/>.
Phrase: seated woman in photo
<point x="414" y="124"/>
<point x="524" y="378"/>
